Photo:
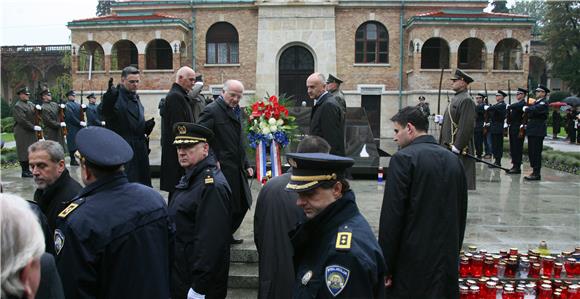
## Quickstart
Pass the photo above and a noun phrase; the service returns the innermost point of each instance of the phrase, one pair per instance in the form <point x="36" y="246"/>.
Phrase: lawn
<point x="7" y="137"/>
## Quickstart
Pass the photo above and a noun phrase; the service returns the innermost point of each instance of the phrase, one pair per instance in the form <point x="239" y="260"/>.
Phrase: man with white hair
<point x="22" y="246"/>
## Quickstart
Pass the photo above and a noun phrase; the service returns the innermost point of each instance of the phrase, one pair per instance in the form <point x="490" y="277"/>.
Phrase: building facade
<point x="387" y="52"/>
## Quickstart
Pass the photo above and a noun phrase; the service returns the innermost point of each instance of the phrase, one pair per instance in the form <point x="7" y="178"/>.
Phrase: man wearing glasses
<point x="124" y="114"/>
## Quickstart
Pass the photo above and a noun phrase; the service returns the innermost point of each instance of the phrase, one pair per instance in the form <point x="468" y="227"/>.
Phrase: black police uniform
<point x="478" y="137"/>
<point x="200" y="207"/>
<point x="516" y="143"/>
<point x="497" y="115"/>
<point x="336" y="253"/>
<point x="113" y="240"/>
<point x="536" y="131"/>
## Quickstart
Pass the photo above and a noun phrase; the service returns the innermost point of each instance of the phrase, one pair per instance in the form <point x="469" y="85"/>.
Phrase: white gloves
<point x="485" y="107"/>
<point x="486" y="124"/>
<point x="38" y="107"/>
<point x="62" y="124"/>
<point x="505" y="125"/>
<point x="525" y="108"/>
<point x="102" y="123"/>
<point x="439" y="119"/>
<point x="455" y="150"/>
<point x="193" y="295"/>
<point x="84" y="106"/>
<point x="62" y="106"/>
<point x="507" y="106"/>
<point x="37" y="128"/>
<point x="83" y="124"/>
<point x="198" y="83"/>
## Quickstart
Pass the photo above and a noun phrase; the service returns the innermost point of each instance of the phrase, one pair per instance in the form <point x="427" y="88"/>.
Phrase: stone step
<point x="244" y="254"/>
<point x="242" y="293"/>
<point x="243" y="276"/>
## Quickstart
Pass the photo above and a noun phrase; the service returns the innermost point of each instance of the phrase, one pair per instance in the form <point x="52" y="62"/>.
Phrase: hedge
<point x="563" y="161"/>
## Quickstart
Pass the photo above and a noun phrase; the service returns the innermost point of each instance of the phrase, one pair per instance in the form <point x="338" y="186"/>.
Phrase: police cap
<point x="543" y="88"/>
<point x="190" y="133"/>
<point x="522" y="90"/>
<point x="103" y="147"/>
<point x="71" y="93"/>
<point x="333" y="79"/>
<point x="481" y="95"/>
<point x="310" y="170"/>
<point x="45" y="92"/>
<point x="501" y="93"/>
<point x="23" y="90"/>
<point x="461" y="75"/>
<point x="92" y="95"/>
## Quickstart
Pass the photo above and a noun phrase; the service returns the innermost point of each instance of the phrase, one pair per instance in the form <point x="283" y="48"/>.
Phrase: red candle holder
<point x="545" y="292"/>
<point x="513" y="251"/>
<point x="463" y="292"/>
<point x="511" y="267"/>
<point x="570" y="265"/>
<point x="474" y="292"/>
<point x="547" y="265"/>
<point x="464" y="267"/>
<point x="488" y="267"/>
<point x="558" y="270"/>
<point x="476" y="266"/>
<point x="490" y="290"/>
<point x="535" y="270"/>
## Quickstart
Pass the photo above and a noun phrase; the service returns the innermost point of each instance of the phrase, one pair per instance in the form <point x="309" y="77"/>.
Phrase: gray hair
<point x="321" y="78"/>
<point x="130" y="70"/>
<point x="22" y="240"/>
<point x="53" y="148"/>
<point x="228" y="84"/>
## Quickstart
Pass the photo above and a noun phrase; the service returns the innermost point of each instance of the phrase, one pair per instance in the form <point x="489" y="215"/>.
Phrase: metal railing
<point x="35" y="50"/>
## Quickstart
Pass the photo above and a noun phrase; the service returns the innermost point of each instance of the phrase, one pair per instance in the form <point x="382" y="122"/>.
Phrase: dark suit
<point x="497" y="113"/>
<point x="327" y="121"/>
<point x="228" y="147"/>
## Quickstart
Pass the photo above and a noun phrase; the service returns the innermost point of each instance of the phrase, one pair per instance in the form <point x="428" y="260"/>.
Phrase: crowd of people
<point x="117" y="237"/>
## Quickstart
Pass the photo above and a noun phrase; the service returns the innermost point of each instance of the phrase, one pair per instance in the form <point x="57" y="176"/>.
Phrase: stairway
<point x="243" y="276"/>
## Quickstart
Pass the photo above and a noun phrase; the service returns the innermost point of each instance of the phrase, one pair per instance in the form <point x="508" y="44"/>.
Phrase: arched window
<point x="471" y="54"/>
<point x="222" y="44"/>
<point x="371" y="43"/>
<point x="159" y="55"/>
<point x="508" y="55"/>
<point x="123" y="54"/>
<point x="86" y="51"/>
<point x="435" y="54"/>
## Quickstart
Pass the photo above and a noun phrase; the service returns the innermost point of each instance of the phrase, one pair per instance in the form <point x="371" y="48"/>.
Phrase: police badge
<point x="336" y="278"/>
<point x="58" y="240"/>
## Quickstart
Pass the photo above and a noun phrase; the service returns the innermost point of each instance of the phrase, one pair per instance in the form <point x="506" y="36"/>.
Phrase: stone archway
<point x="538" y="71"/>
<point x="296" y="63"/>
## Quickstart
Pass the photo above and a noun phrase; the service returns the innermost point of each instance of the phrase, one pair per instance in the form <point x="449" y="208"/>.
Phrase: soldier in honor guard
<point x="52" y="125"/>
<point x="536" y="131"/>
<point x="200" y="208"/>
<point x="459" y="123"/>
<point x="516" y="142"/>
<point x="497" y="115"/>
<point x="113" y="239"/>
<point x="333" y="86"/>
<point x="336" y="253"/>
<point x="478" y="137"/>
<point x="24" y="128"/>
<point x="424" y="106"/>
<point x="92" y="111"/>
<point x="72" y="118"/>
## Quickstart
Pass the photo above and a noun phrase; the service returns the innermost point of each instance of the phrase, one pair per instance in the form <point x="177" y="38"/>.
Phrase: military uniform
<point x="478" y="137"/>
<point x="93" y="118"/>
<point x="336" y="253"/>
<point x="24" y="134"/>
<point x="516" y="143"/>
<point x="497" y="114"/>
<point x="536" y="131"/>
<point x="337" y="93"/>
<point x="52" y="125"/>
<point x="200" y="207"/>
<point x="72" y="118"/>
<point x="114" y="238"/>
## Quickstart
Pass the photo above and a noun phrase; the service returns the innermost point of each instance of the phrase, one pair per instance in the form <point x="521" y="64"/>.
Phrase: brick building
<point x="388" y="52"/>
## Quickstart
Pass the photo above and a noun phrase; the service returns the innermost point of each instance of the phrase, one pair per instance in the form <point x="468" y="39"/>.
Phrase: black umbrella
<point x="572" y="100"/>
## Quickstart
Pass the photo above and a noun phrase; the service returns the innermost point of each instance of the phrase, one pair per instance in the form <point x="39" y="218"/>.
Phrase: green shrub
<point x="558" y="96"/>
<point x="7" y="125"/>
<point x="8" y="156"/>
<point x="5" y="108"/>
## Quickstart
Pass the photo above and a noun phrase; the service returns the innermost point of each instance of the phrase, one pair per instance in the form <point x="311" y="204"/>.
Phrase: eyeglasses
<point x="133" y="81"/>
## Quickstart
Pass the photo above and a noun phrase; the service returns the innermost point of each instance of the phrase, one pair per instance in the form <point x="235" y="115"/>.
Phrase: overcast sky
<point x="43" y="22"/>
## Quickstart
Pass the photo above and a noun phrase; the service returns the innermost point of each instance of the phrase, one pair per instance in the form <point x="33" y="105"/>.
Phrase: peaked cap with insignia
<point x="310" y="170"/>
<point x="190" y="133"/>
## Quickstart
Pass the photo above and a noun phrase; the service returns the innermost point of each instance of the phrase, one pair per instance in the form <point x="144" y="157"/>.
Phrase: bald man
<point x="177" y="108"/>
<point x="326" y="118"/>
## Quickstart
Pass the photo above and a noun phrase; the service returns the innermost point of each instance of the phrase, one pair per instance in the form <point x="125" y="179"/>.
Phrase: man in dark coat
<point x="55" y="186"/>
<point x="72" y="118"/>
<point x="223" y="117"/>
<point x="326" y="118"/>
<point x="536" y="131"/>
<point x="424" y="213"/>
<point x="497" y="116"/>
<point x="124" y="114"/>
<point x="52" y="126"/>
<point x="175" y="109"/>
<point x="335" y="250"/>
<point x="93" y="118"/>
<point x="200" y="207"/>
<point x="197" y="100"/>
<point x="114" y="238"/>
<point x="478" y="137"/>
<point x="556" y="122"/>
<point x="516" y="142"/>
<point x="24" y="128"/>
<point x="275" y="216"/>
<point x="459" y="123"/>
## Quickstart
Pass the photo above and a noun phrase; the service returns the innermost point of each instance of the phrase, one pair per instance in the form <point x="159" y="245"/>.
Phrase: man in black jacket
<point x="516" y="142"/>
<point x="223" y="117"/>
<point x="55" y="186"/>
<point x="326" y="118"/>
<point x="424" y="213"/>
<point x="175" y="109"/>
<point x="536" y="131"/>
<point x="497" y="113"/>
<point x="200" y="208"/>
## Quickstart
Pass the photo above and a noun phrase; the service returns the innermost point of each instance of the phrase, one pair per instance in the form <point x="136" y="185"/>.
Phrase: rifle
<point x="37" y="120"/>
<point x="83" y="108"/>
<point x="439" y="94"/>
<point x="465" y="153"/>
<point x="485" y="114"/>
<point x="522" y="132"/>
<point x="508" y="113"/>
<point x="61" y="117"/>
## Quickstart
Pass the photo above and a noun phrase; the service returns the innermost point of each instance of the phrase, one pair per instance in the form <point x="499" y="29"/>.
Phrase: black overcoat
<point x="327" y="121"/>
<point x="53" y="199"/>
<point x="423" y="220"/>
<point x="276" y="215"/>
<point x="176" y="109"/>
<point x="497" y="116"/>
<point x="229" y="149"/>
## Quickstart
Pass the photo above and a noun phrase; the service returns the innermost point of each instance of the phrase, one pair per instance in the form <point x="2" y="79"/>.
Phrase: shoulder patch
<point x="343" y="238"/>
<point x="336" y="278"/>
<point x="71" y="207"/>
<point x="208" y="177"/>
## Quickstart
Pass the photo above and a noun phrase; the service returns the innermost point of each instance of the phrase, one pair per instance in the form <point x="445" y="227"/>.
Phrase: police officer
<point x="536" y="131"/>
<point x="478" y="137"/>
<point x="200" y="207"/>
<point x="24" y="128"/>
<point x="92" y="111"/>
<point x="72" y="118"/>
<point x="516" y="141"/>
<point x="113" y="238"/>
<point x="497" y="113"/>
<point x="333" y="86"/>
<point x="336" y="253"/>
<point x="424" y="106"/>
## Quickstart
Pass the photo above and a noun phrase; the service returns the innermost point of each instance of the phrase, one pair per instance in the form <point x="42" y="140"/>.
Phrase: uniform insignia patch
<point x="181" y="129"/>
<point x="336" y="278"/>
<point x="343" y="240"/>
<point x="306" y="278"/>
<point x="71" y="207"/>
<point x="208" y="180"/>
<point x="292" y="162"/>
<point x="58" y="240"/>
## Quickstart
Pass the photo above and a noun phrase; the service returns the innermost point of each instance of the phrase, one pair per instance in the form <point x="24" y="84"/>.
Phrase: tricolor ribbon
<point x="261" y="161"/>
<point x="275" y="159"/>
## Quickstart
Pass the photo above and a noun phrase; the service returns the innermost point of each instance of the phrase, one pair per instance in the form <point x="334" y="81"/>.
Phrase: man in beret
<point x="459" y="123"/>
<point x="113" y="239"/>
<point x="536" y="131"/>
<point x="333" y="86"/>
<point x="335" y="250"/>
<point x="497" y="114"/>
<point x="24" y="113"/>
<point x="72" y="118"/>
<point x="93" y="118"/>
<point x="424" y="207"/>
<point x="516" y="141"/>
<point x="200" y="208"/>
<point x="52" y="125"/>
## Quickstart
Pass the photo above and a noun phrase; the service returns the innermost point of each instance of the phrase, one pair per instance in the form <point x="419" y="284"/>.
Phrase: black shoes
<point x="533" y="177"/>
<point x="514" y="170"/>
<point x="235" y="241"/>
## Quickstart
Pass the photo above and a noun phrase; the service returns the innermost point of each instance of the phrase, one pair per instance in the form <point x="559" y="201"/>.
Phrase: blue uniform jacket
<point x="336" y="255"/>
<point x="72" y="118"/>
<point x="537" y="117"/>
<point x="516" y="115"/>
<point x="497" y="115"/>
<point x="480" y="117"/>
<point x="93" y="115"/>
<point x="114" y="241"/>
